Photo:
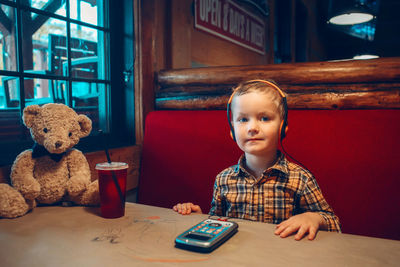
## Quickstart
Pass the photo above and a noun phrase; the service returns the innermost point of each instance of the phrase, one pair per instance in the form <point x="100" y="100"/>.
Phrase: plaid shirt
<point x="284" y="190"/>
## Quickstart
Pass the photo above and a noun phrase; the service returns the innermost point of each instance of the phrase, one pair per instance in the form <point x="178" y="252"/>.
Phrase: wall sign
<point x="227" y="20"/>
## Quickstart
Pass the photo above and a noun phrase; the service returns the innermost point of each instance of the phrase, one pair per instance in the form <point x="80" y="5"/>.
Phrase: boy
<point x="264" y="186"/>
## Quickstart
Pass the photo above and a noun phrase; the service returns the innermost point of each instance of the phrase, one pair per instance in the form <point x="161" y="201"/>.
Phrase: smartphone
<point x="206" y="235"/>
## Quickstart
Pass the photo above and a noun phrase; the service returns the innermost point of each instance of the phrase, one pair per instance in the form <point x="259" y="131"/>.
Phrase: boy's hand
<point x="187" y="208"/>
<point x="308" y="222"/>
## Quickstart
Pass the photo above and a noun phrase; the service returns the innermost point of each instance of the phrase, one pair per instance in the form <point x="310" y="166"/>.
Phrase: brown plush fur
<point x="43" y="180"/>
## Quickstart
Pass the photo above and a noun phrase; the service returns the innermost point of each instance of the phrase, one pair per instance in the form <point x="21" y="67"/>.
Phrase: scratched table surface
<point x="78" y="236"/>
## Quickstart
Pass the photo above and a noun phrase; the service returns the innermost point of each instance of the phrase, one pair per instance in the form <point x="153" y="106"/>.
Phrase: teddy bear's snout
<point x="58" y="144"/>
<point x="55" y="146"/>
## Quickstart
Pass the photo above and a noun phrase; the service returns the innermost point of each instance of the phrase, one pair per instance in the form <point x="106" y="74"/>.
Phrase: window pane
<point x="7" y="39"/>
<point x="87" y="59"/>
<point x="9" y="93"/>
<point x="57" y="7"/>
<point x="59" y="91"/>
<point x="47" y="72"/>
<point x="38" y="3"/>
<point x="11" y="126"/>
<point x="90" y="99"/>
<point x="39" y="52"/>
<point x="87" y="11"/>
<point x="43" y="91"/>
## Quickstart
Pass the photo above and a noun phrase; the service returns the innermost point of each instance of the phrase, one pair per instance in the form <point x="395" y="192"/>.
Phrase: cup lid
<point x="111" y="166"/>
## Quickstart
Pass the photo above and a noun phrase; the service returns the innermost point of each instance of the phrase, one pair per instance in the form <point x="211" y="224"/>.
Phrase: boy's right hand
<point x="187" y="208"/>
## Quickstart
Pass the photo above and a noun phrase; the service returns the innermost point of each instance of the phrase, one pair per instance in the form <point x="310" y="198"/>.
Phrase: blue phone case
<point x="206" y="235"/>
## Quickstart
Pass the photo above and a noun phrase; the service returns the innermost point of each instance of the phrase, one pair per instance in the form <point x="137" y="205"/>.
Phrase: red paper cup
<point x="112" y="204"/>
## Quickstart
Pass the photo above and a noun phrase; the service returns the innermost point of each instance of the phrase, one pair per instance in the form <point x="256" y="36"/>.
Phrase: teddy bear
<point x="52" y="171"/>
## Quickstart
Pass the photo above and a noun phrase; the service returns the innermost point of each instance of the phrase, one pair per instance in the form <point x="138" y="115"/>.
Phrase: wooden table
<point x="78" y="236"/>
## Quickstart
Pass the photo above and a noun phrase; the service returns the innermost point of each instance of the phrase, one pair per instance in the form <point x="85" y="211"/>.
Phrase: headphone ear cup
<point x="284" y="126"/>
<point x="232" y="134"/>
<point x="283" y="129"/>
<point x="228" y="108"/>
<point x="283" y="133"/>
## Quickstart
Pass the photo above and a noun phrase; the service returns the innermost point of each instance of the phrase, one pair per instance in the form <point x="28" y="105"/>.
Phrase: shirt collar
<point x="280" y="165"/>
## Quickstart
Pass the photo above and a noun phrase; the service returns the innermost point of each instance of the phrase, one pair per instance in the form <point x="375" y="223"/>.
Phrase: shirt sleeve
<point x="312" y="200"/>
<point x="216" y="208"/>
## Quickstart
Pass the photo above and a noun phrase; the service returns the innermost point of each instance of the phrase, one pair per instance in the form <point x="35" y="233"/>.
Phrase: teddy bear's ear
<point x="86" y="125"/>
<point x="30" y="112"/>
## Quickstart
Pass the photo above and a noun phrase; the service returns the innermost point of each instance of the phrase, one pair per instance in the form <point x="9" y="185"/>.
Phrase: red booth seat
<point x="354" y="155"/>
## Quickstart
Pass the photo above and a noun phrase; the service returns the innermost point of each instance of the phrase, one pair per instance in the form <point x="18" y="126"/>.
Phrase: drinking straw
<point x="112" y="171"/>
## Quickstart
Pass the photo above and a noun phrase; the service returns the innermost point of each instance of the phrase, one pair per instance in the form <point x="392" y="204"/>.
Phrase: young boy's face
<point x="256" y="122"/>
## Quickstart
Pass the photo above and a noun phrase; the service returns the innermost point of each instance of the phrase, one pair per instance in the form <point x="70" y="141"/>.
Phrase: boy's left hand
<point x="308" y="222"/>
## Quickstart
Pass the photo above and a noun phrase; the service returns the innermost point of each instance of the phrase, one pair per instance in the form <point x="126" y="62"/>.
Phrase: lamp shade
<point x="366" y="56"/>
<point x="349" y="12"/>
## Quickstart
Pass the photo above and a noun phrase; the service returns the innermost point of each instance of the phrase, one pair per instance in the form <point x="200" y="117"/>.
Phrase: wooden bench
<point x="343" y="125"/>
<point x="354" y="155"/>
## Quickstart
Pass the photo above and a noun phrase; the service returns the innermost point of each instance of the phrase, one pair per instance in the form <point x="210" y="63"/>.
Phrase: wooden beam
<point x="139" y="100"/>
<point x="187" y="90"/>
<point x="340" y="72"/>
<point x="150" y="51"/>
<point x="346" y="100"/>
<point x="315" y="85"/>
<point x="328" y="100"/>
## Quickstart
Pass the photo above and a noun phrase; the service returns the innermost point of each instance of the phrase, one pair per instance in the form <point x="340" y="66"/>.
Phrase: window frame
<point x="120" y="95"/>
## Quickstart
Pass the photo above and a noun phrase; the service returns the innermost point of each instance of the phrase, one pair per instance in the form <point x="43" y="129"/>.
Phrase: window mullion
<point x="69" y="54"/>
<point x="20" y="58"/>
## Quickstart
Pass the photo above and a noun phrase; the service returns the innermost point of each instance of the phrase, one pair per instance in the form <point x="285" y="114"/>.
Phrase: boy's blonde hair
<point x="263" y="87"/>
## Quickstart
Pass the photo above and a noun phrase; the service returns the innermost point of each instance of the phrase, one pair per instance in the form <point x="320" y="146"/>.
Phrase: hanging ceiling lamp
<point x="366" y="56"/>
<point x="349" y="12"/>
<point x="367" y="50"/>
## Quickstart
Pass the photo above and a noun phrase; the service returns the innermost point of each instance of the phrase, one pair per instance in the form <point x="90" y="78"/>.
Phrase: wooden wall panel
<point x="150" y="46"/>
<point x="186" y="44"/>
<point x="130" y="155"/>
<point x="181" y="33"/>
<point x="165" y="38"/>
<point x="315" y="49"/>
<point x="219" y="52"/>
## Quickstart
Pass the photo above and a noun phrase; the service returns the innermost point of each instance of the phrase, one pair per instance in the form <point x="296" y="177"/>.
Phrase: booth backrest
<point x="354" y="155"/>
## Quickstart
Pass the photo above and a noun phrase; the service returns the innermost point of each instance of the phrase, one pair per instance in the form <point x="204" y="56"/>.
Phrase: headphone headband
<point x="272" y="85"/>
<point x="284" y="124"/>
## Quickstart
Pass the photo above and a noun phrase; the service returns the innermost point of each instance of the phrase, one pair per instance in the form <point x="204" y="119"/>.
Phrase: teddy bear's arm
<point x="22" y="175"/>
<point x="79" y="172"/>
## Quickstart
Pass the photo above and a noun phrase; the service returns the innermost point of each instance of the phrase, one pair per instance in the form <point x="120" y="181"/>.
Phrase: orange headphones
<point x="284" y="124"/>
